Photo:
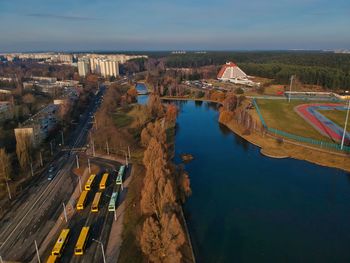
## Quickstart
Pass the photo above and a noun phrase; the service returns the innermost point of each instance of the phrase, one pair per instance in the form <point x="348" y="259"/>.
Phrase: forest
<point x="327" y="69"/>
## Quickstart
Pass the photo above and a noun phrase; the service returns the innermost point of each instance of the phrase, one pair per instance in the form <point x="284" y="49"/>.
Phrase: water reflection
<point x="242" y="142"/>
<point x="198" y="103"/>
<point x="246" y="207"/>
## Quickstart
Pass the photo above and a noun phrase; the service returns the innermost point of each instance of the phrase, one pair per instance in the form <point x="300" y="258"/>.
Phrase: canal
<point x="246" y="207"/>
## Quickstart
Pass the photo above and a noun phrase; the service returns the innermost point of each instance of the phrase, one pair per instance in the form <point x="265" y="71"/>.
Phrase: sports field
<point x="280" y="114"/>
<point x="337" y="116"/>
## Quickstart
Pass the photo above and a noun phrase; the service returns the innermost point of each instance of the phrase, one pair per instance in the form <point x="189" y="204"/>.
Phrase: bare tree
<point x="5" y="169"/>
<point x="29" y="100"/>
<point x="23" y="149"/>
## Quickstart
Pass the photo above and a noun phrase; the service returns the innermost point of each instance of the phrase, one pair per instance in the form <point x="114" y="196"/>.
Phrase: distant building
<point x="109" y="68"/>
<point x="232" y="73"/>
<point x="40" y="125"/>
<point x="83" y="68"/>
<point x="229" y="71"/>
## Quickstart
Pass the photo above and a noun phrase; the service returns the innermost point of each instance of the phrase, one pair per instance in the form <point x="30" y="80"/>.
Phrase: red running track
<point x="310" y="113"/>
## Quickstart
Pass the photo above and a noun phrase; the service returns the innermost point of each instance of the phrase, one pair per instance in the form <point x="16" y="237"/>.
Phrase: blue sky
<point x="38" y="25"/>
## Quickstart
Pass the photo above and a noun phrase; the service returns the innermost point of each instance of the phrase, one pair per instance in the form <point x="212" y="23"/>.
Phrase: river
<point x="246" y="207"/>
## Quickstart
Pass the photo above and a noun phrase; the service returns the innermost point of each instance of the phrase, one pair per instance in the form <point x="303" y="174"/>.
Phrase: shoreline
<point x="288" y="149"/>
<point x="270" y="148"/>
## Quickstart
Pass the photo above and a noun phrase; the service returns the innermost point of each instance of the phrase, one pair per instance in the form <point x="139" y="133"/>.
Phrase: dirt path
<point x="115" y="237"/>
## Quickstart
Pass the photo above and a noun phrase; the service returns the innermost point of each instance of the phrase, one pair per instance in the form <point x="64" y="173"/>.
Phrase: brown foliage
<point x="155" y="106"/>
<point x="225" y="116"/>
<point x="5" y="165"/>
<point x="230" y="103"/>
<point x="154" y="130"/>
<point x="217" y="96"/>
<point x="150" y="239"/>
<point x="171" y="113"/>
<point x="161" y="240"/>
<point x="132" y="95"/>
<point x="23" y="149"/>
<point x="153" y="152"/>
<point x="184" y="186"/>
<point x="173" y="238"/>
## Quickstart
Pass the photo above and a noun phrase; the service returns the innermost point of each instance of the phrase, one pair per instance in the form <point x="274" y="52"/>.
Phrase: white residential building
<point x="83" y="68"/>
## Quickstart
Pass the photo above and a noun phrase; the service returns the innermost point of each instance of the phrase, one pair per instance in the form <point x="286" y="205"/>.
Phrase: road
<point x="35" y="212"/>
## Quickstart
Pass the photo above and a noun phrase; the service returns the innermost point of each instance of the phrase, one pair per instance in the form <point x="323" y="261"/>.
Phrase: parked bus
<point x="103" y="181"/>
<point x="120" y="175"/>
<point x="95" y="203"/>
<point x="113" y="201"/>
<point x="60" y="243"/>
<point x="82" y="240"/>
<point x="82" y="200"/>
<point x="52" y="259"/>
<point x="89" y="182"/>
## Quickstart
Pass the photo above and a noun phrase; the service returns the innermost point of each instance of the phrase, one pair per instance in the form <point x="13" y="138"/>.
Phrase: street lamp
<point x="346" y="123"/>
<point x="103" y="252"/>
<point x="290" y="87"/>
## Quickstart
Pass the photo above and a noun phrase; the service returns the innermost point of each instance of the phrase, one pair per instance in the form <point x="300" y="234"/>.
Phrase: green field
<point x="280" y="114"/>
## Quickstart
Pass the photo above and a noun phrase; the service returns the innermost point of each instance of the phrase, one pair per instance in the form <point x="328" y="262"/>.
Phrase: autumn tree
<point x="225" y="116"/>
<point x="154" y="130"/>
<point x="23" y="149"/>
<point x="154" y="106"/>
<point x="184" y="185"/>
<point x="161" y="240"/>
<point x="5" y="169"/>
<point x="230" y="103"/>
<point x="132" y="95"/>
<point x="158" y="193"/>
<point x="153" y="152"/>
<point x="171" y="113"/>
<point x="29" y="100"/>
<point x="150" y="239"/>
<point x="172" y="237"/>
<point x="5" y="165"/>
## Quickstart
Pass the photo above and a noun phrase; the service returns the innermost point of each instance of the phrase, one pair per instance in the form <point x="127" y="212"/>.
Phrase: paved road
<point x="34" y="213"/>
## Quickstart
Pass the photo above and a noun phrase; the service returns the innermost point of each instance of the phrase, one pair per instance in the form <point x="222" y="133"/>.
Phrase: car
<point x="51" y="176"/>
<point x="51" y="169"/>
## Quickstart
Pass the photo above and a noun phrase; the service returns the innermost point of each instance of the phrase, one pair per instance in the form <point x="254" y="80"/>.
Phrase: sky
<point x="96" y="25"/>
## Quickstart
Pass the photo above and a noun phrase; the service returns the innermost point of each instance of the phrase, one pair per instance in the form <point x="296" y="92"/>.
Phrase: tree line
<point x="327" y="69"/>
<point x="164" y="190"/>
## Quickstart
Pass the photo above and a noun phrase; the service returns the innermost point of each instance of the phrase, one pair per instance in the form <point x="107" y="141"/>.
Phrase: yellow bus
<point x="60" y="243"/>
<point x="94" y="207"/>
<point x="52" y="259"/>
<point x="82" y="240"/>
<point x="103" y="181"/>
<point x="82" y="200"/>
<point x="89" y="182"/>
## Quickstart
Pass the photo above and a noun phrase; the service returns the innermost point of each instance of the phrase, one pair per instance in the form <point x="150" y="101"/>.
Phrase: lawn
<point x="280" y="114"/>
<point x="337" y="117"/>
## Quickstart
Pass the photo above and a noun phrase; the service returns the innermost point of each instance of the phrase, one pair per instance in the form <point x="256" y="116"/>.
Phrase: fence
<point x="321" y="144"/>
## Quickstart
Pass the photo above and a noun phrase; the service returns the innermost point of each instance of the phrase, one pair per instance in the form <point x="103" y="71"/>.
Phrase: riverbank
<point x="276" y="149"/>
<point x="257" y="203"/>
<point x="193" y="99"/>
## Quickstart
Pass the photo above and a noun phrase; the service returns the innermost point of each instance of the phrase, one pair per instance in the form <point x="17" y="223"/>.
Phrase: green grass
<point x="337" y="117"/>
<point x="280" y="114"/>
<point x="122" y="119"/>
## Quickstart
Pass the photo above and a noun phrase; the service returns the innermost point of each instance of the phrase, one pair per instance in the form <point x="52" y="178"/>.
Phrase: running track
<point x="311" y="114"/>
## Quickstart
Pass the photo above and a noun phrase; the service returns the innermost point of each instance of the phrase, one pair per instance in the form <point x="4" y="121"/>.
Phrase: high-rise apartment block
<point x="83" y="67"/>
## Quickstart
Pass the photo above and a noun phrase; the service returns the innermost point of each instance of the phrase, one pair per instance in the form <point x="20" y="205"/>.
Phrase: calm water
<point x="141" y="99"/>
<point x="249" y="208"/>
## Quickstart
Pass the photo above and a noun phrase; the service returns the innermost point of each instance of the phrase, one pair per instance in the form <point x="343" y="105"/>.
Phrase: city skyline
<point x="163" y="25"/>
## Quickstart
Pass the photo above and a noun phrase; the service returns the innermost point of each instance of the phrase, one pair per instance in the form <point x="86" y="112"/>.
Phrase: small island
<point x="187" y="157"/>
